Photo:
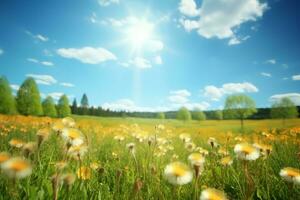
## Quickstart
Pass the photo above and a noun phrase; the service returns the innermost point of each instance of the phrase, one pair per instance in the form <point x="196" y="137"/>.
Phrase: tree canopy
<point x="198" y="115"/>
<point x="63" y="108"/>
<point x="28" y="98"/>
<point x="160" y="115"/>
<point x="49" y="107"/>
<point x="183" y="114"/>
<point x="7" y="101"/>
<point x="284" y="109"/>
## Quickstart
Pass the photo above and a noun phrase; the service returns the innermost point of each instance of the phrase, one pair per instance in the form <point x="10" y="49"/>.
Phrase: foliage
<point x="218" y="115"/>
<point x="63" y="108"/>
<point x="160" y="115"/>
<point x="183" y="114"/>
<point x="198" y="115"/>
<point x="49" y="107"/>
<point x="7" y="101"/>
<point x="284" y="109"/>
<point x="28" y="98"/>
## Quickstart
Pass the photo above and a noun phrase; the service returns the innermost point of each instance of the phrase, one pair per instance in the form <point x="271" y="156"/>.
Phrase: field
<point x="127" y="158"/>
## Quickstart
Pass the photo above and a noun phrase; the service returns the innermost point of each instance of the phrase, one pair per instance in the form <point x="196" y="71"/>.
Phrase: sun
<point x="140" y="33"/>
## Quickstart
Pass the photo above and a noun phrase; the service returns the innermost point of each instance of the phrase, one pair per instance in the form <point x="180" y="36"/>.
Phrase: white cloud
<point x="296" y="77"/>
<point x="179" y="96"/>
<point x="189" y="8"/>
<point x="55" y="95"/>
<point x="67" y="84"/>
<point x="271" y="61"/>
<point x="295" y="97"/>
<point x="46" y="63"/>
<point x="158" y="60"/>
<point x="107" y="2"/>
<point x="215" y="94"/>
<point x="234" y="41"/>
<point x="87" y="55"/>
<point x="38" y="37"/>
<point x="43" y="79"/>
<point x="221" y="18"/>
<point x="155" y="45"/>
<point x="15" y="87"/>
<point x="1" y="51"/>
<point x="266" y="74"/>
<point x="141" y="63"/>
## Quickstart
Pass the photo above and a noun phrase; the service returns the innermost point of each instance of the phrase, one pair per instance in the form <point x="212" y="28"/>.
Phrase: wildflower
<point x="246" y="151"/>
<point x="68" y="179"/>
<point x="4" y="157"/>
<point x="290" y="174"/>
<point x="78" y="151"/>
<point x="42" y="135"/>
<point x="212" y="142"/>
<point x="131" y="147"/>
<point x="16" y="143"/>
<point x="16" y="168"/>
<point x="29" y="148"/>
<point x="60" y="165"/>
<point x="58" y="126"/>
<point x="212" y="194"/>
<point x="178" y="173"/>
<point x="73" y="136"/>
<point x="94" y="165"/>
<point x="226" y="161"/>
<point x="84" y="173"/>
<point x="190" y="146"/>
<point x="238" y="139"/>
<point x="119" y="138"/>
<point x="223" y="152"/>
<point x="263" y="148"/>
<point x="185" y="137"/>
<point x="196" y="159"/>
<point x="68" y="122"/>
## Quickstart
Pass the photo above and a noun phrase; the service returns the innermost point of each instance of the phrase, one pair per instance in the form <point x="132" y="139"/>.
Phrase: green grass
<point x="117" y="175"/>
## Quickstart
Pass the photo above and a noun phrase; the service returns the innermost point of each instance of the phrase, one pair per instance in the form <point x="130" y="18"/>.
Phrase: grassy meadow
<point x="127" y="158"/>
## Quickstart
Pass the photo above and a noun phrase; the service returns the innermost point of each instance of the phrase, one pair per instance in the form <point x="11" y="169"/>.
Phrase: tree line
<point x="28" y="102"/>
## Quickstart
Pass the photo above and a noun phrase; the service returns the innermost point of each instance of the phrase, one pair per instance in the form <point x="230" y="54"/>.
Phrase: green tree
<point x="84" y="104"/>
<point x="74" y="108"/>
<point x="217" y="114"/>
<point x="28" y="98"/>
<point x="49" y="107"/>
<point x="239" y="107"/>
<point x="63" y="107"/>
<point x="160" y="115"/>
<point x="183" y="114"/>
<point x="284" y="109"/>
<point x="7" y="101"/>
<point x="199" y="115"/>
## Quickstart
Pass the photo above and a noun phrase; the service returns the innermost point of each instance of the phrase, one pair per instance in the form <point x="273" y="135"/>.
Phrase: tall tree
<point x="28" y="98"/>
<point x="84" y="105"/>
<point x="160" y="115"/>
<point x="63" y="107"/>
<point x="199" y="115"/>
<point x="217" y="114"/>
<point x="284" y="109"/>
<point x="49" y="107"/>
<point x="7" y="101"/>
<point x="74" y="107"/>
<point x="183" y="114"/>
<point x="239" y="107"/>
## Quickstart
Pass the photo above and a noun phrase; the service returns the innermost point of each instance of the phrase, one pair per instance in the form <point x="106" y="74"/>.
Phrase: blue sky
<point x="154" y="55"/>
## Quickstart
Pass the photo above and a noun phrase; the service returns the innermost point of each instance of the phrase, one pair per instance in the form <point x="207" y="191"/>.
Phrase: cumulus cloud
<point x="189" y="8"/>
<point x="179" y="96"/>
<point x="296" y="77"/>
<point x="219" y="18"/>
<point x="141" y="63"/>
<point x="107" y="2"/>
<point x="14" y="87"/>
<point x="271" y="61"/>
<point x="37" y="37"/>
<point x="216" y="93"/>
<point x="155" y="45"/>
<point x="55" y="95"/>
<point x="43" y="79"/>
<point x="266" y="74"/>
<point x="67" y="84"/>
<point x="157" y="60"/>
<point x="87" y="55"/>
<point x="295" y="97"/>
<point x="46" y="63"/>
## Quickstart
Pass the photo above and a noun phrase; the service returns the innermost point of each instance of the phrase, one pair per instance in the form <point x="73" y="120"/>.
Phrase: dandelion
<point x="190" y="146"/>
<point x="226" y="161"/>
<point x="42" y="135"/>
<point x="178" y="173"/>
<point x="4" y="156"/>
<point x="68" y="179"/>
<point x="16" y="143"/>
<point x="131" y="147"/>
<point x="212" y="194"/>
<point x="29" y="148"/>
<point x="197" y="161"/>
<point x="73" y="136"/>
<point x="94" y="165"/>
<point x="246" y="151"/>
<point x="78" y="151"/>
<point x="185" y="137"/>
<point x="119" y="138"/>
<point x="16" y="168"/>
<point x="212" y="142"/>
<point x="84" y="173"/>
<point x="60" y="165"/>
<point x="290" y="175"/>
<point x="58" y="126"/>
<point x="68" y="122"/>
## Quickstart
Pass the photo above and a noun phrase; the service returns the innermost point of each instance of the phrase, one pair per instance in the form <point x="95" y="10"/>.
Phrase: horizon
<point x="153" y="57"/>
